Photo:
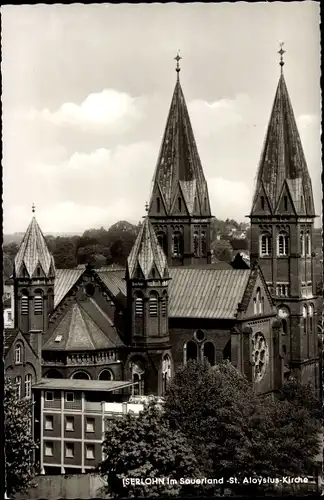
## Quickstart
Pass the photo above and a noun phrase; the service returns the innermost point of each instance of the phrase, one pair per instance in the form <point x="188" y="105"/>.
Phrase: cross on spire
<point x="281" y="52"/>
<point x="33" y="208"/>
<point x="178" y="58"/>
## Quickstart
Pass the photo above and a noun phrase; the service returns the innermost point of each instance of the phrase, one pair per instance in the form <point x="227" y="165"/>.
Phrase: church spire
<point x="283" y="166"/>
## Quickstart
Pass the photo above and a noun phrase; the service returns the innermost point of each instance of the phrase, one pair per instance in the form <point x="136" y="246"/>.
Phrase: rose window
<point x="260" y="356"/>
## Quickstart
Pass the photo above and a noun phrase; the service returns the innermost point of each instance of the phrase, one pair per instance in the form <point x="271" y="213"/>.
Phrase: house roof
<point x="33" y="253"/>
<point x="283" y="164"/>
<point x="146" y="255"/>
<point x="179" y="171"/>
<point x="81" y="385"/>
<point x="83" y="327"/>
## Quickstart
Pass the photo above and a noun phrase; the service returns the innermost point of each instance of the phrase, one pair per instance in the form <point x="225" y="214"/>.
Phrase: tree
<point x="233" y="432"/>
<point x="19" y="444"/>
<point x="145" y="446"/>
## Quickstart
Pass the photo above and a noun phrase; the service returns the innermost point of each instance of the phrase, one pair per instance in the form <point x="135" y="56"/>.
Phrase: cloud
<point x="229" y="199"/>
<point x="109" y="108"/>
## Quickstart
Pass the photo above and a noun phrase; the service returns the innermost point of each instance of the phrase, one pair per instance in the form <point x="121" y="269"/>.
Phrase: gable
<point x="285" y="204"/>
<point x="179" y="205"/>
<point x="17" y="336"/>
<point x="157" y="204"/>
<point x="256" y="282"/>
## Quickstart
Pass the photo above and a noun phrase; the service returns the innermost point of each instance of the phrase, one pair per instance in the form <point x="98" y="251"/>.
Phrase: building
<point x="137" y="325"/>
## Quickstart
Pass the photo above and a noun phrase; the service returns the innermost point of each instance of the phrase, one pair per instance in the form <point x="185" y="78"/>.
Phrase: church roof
<point x="146" y="254"/>
<point x="179" y="171"/>
<point x="283" y="165"/>
<point x="65" y="279"/>
<point x="83" y="327"/>
<point x="33" y="252"/>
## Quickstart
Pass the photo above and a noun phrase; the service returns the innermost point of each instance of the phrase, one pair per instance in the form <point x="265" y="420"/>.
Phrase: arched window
<point x="305" y="319"/>
<point x="158" y="205"/>
<point x="153" y="304"/>
<point x="203" y="244"/>
<point x="308" y="244"/>
<point x="311" y="314"/>
<point x="162" y="239"/>
<point x="137" y="378"/>
<point x="282" y="243"/>
<point x="81" y="375"/>
<point x="192" y="350"/>
<point x="258" y="301"/>
<point x="255" y="307"/>
<point x="166" y="373"/>
<point x="53" y="373"/>
<point x="209" y="352"/>
<point x="262" y="202"/>
<point x="285" y="203"/>
<point x="28" y="385"/>
<point x="227" y="351"/>
<point x="265" y="244"/>
<point x="205" y="204"/>
<point x="302" y="204"/>
<point x="283" y="313"/>
<point x="106" y="375"/>
<point x="139" y="306"/>
<point x="284" y="326"/>
<point x="164" y="304"/>
<point x="18" y="387"/>
<point x="196" y="243"/>
<point x="177" y="244"/>
<point x="18" y="354"/>
<point x="24" y="303"/>
<point x="179" y="204"/>
<point x="302" y="243"/>
<point x="38" y="302"/>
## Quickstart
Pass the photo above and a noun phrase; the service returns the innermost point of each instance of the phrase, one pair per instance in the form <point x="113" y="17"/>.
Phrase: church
<point x="171" y="303"/>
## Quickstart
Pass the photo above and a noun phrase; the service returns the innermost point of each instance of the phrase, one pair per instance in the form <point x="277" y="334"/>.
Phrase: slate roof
<point x="146" y="254"/>
<point x="179" y="167"/>
<point x="33" y="252"/>
<point x="9" y="336"/>
<point x="283" y="160"/>
<point x="114" y="280"/>
<point x="201" y="292"/>
<point x="83" y="327"/>
<point x="65" y="279"/>
<point x="81" y="385"/>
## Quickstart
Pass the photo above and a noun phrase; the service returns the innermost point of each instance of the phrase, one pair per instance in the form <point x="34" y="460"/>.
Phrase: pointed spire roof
<point x="33" y="253"/>
<point x="179" y="171"/>
<point x="283" y="165"/>
<point x="147" y="254"/>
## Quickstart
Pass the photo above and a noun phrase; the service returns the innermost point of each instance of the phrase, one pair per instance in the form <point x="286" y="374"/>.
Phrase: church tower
<point x="179" y="208"/>
<point x="34" y="274"/>
<point x="282" y="220"/>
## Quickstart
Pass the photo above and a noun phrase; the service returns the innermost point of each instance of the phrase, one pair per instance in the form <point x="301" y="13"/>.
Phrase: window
<point x="258" y="306"/>
<point x="305" y="319"/>
<point x="139" y="307"/>
<point x="255" y="309"/>
<point x="9" y="315"/>
<point x="28" y="385"/>
<point x="282" y="290"/>
<point x="90" y="425"/>
<point x="209" y="352"/>
<point x="69" y="424"/>
<point x="302" y="243"/>
<point x="138" y="379"/>
<point x="282" y="243"/>
<point x="70" y="397"/>
<point x="58" y="338"/>
<point x="192" y="350"/>
<point x="49" y="422"/>
<point x="90" y="452"/>
<point x="284" y="327"/>
<point x="179" y="204"/>
<point x="164" y="305"/>
<point x="308" y="244"/>
<point x="81" y="375"/>
<point x="196" y="244"/>
<point x="69" y="450"/>
<point x="203" y="243"/>
<point x="205" y="204"/>
<point x="106" y="375"/>
<point x="285" y="203"/>
<point x="162" y="239"/>
<point x="199" y="334"/>
<point x="166" y="373"/>
<point x="158" y="205"/>
<point x="153" y="304"/>
<point x="24" y="303"/>
<point x="48" y="449"/>
<point x="310" y="314"/>
<point x="38" y="303"/>
<point x="49" y="396"/>
<point x="18" y="354"/>
<point x="18" y="387"/>
<point x="262" y="202"/>
<point x="177" y="244"/>
<point x="265" y="244"/>
<point x="284" y="349"/>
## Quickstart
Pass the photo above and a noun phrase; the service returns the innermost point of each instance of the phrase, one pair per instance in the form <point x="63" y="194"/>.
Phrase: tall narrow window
<point x="209" y="352"/>
<point x="28" y="385"/>
<point x="262" y="202"/>
<point x="18" y="387"/>
<point x="284" y="326"/>
<point x="305" y="319"/>
<point x="179" y="204"/>
<point x="166" y="373"/>
<point x="38" y="302"/>
<point x="285" y="203"/>
<point x="282" y="243"/>
<point x="310" y="314"/>
<point x="18" y="354"/>
<point x="138" y="379"/>
<point x="265" y="244"/>
<point x="255" y="307"/>
<point x="203" y="244"/>
<point x="302" y="243"/>
<point x="196" y="244"/>
<point x="139" y="306"/>
<point x="205" y="204"/>
<point x="24" y="303"/>
<point x="192" y="350"/>
<point x="164" y="305"/>
<point x="258" y="301"/>
<point x="177" y="244"/>
<point x="308" y="244"/>
<point x="158" y="205"/>
<point x="153" y="304"/>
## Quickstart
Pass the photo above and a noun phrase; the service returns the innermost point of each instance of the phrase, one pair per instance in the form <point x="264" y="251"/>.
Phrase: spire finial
<point x="178" y="58"/>
<point x="281" y="52"/>
<point x="33" y="208"/>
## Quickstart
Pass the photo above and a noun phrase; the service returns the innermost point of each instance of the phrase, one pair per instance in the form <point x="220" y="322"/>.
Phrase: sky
<point x="87" y="89"/>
